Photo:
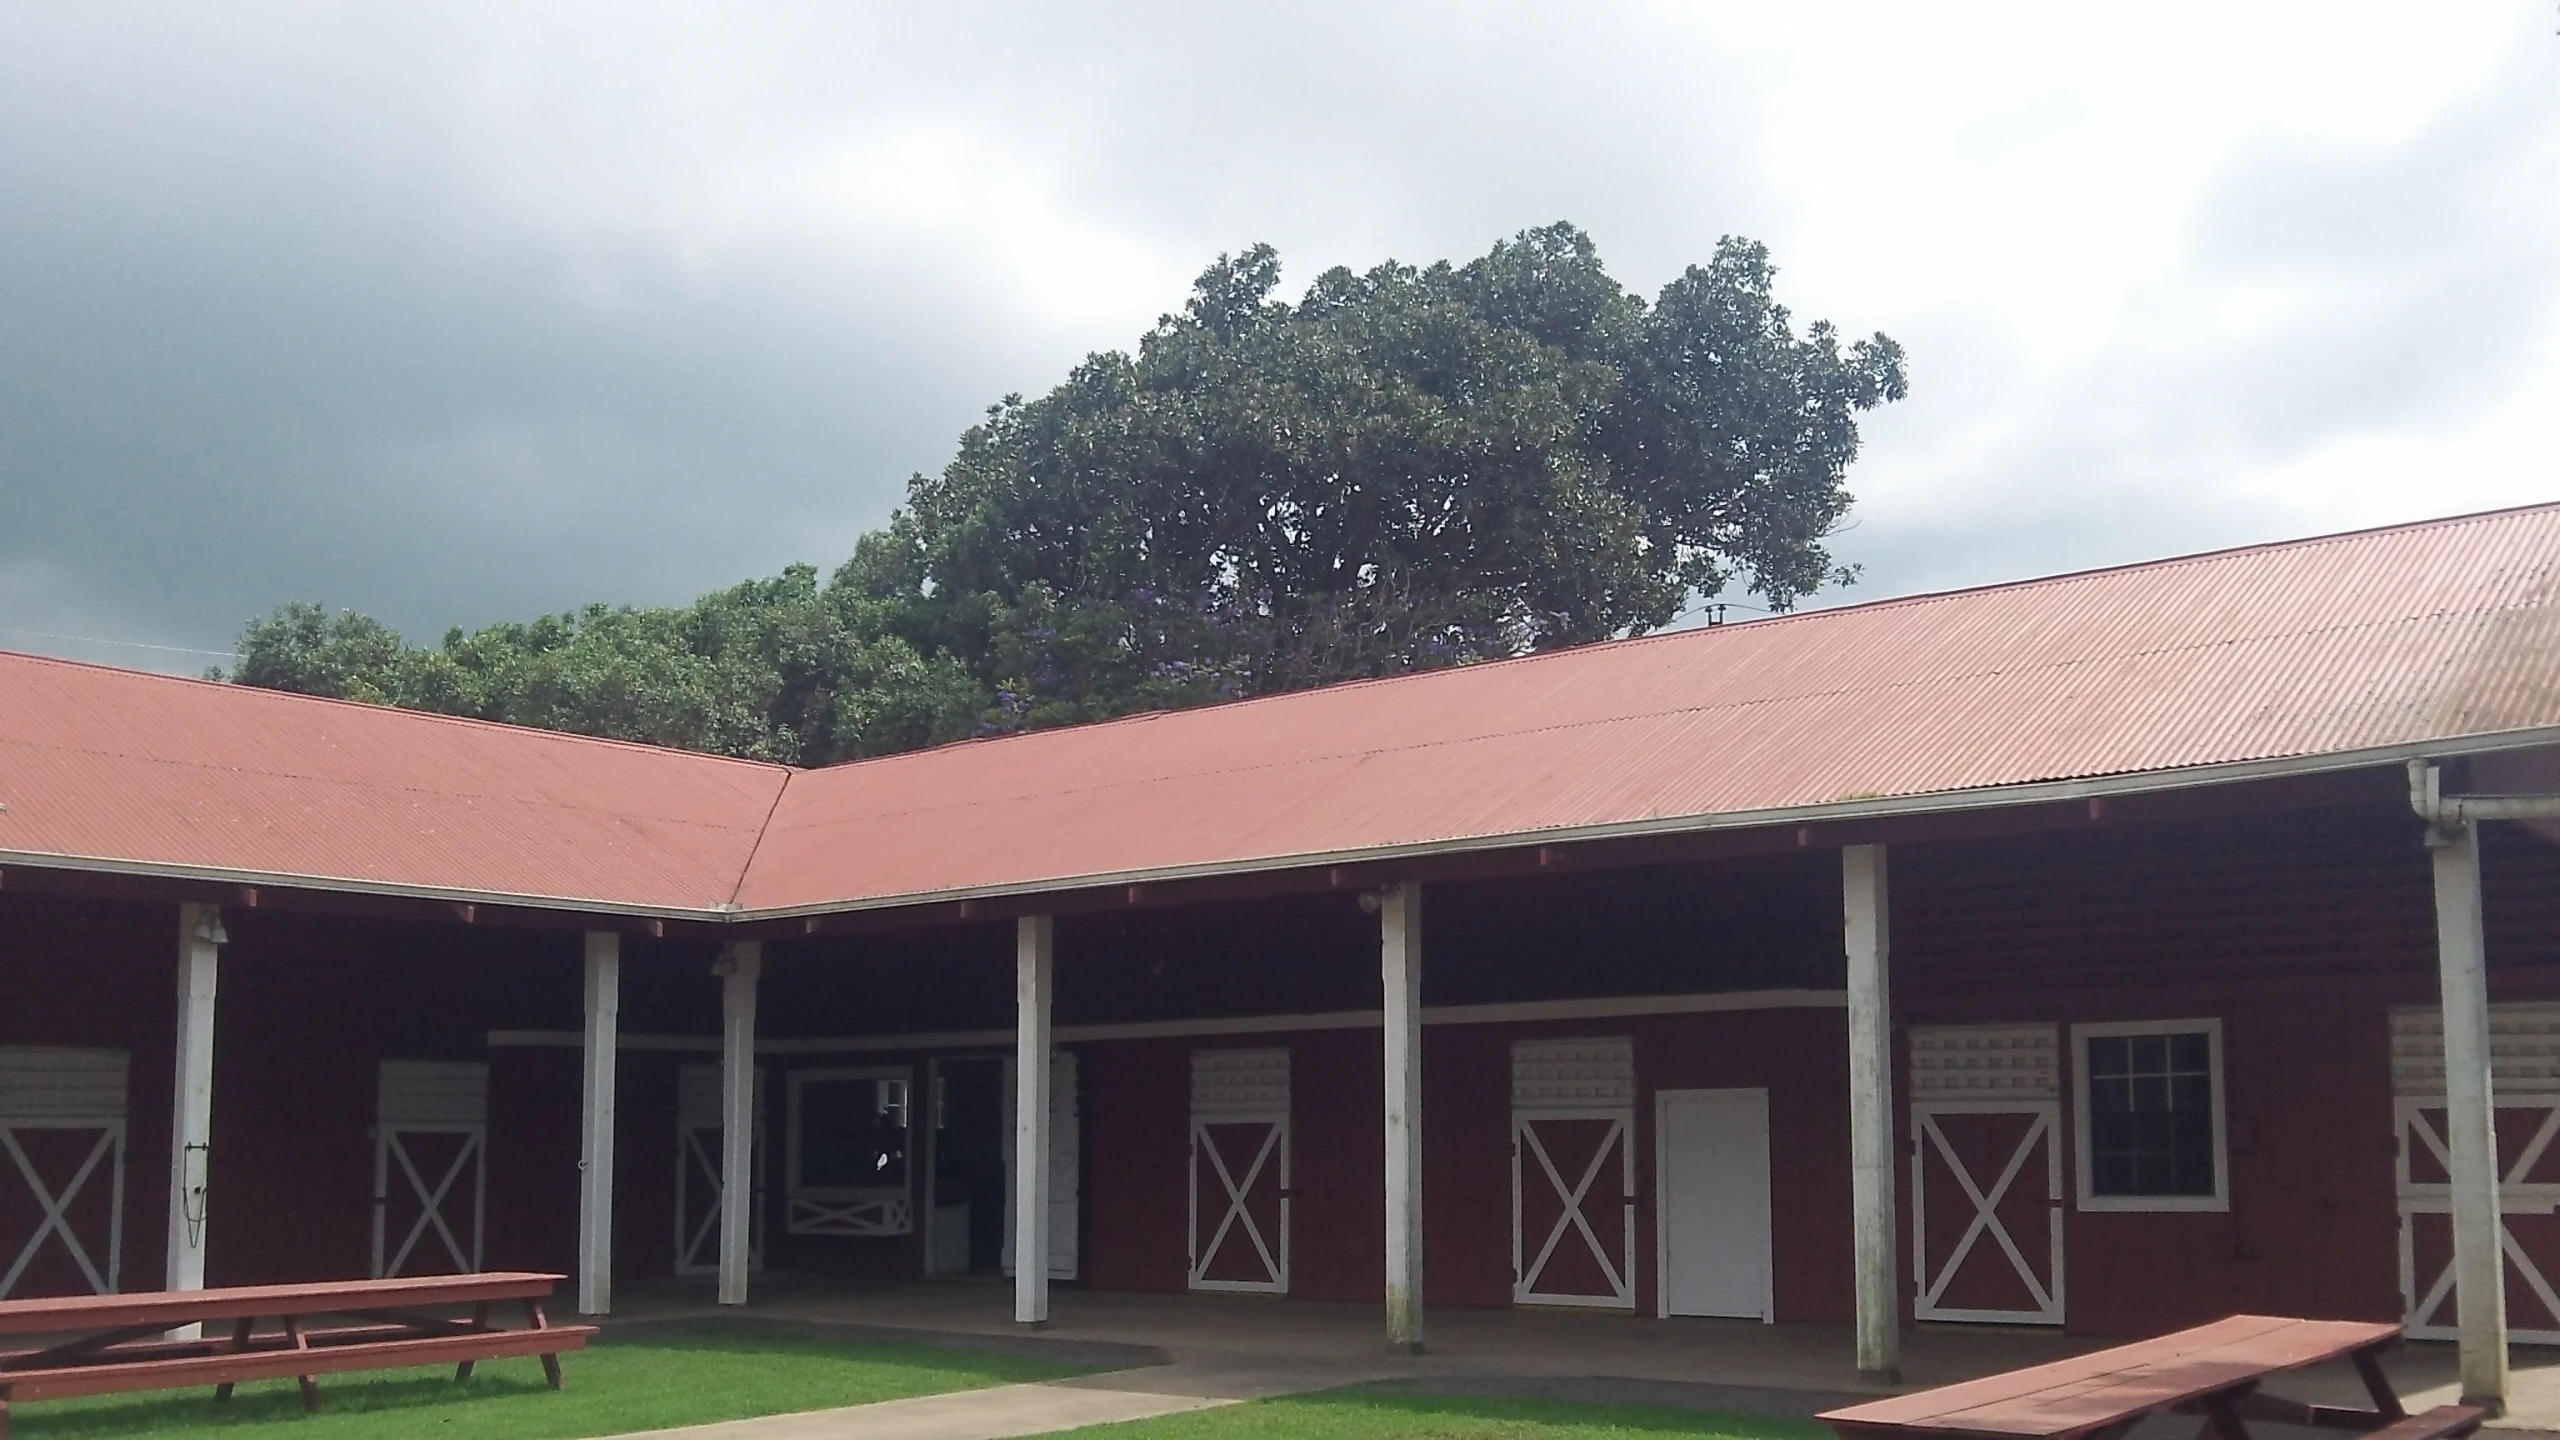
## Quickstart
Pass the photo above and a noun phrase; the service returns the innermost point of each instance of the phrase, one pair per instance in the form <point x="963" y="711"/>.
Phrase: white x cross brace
<point x="1572" y="1216"/>
<point x="1207" y="1144"/>
<point x="57" y="1210"/>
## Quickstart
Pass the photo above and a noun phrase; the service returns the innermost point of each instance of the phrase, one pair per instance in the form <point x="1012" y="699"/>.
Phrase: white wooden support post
<point x="595" y="1129"/>
<point x="200" y="942"/>
<point x="739" y="966"/>
<point x="1867" y="929"/>
<point x="1035" y="966"/>
<point x="1400" y="970"/>
<point x="2479" y="1269"/>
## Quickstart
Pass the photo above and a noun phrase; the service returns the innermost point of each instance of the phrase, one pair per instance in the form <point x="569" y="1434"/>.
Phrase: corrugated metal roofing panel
<point x="184" y="774"/>
<point x="2428" y="632"/>
<point x="2338" y="645"/>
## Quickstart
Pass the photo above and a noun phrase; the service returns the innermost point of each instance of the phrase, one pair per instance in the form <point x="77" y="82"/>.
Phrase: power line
<point x="128" y="644"/>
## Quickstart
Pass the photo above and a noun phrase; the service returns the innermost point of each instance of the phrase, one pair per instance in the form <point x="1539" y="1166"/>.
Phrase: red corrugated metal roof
<point x="2330" y="647"/>
<point x="154" y="772"/>
<point x="2344" y="644"/>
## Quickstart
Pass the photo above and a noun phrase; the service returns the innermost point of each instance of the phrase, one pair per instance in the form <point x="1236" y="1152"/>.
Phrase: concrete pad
<point x="993" y="1414"/>
<point x="1041" y="1408"/>
<point x="1791" y="1369"/>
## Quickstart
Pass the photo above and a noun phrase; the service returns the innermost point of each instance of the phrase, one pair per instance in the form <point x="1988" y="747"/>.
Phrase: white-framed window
<point x="850" y="1132"/>
<point x="2149" y="1099"/>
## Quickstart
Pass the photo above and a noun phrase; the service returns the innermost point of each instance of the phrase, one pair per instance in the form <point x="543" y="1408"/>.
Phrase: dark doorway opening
<point x="968" y="1167"/>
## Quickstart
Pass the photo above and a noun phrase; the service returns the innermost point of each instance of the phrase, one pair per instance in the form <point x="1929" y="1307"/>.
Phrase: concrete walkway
<point x="1222" y="1349"/>
<point x="1043" y="1408"/>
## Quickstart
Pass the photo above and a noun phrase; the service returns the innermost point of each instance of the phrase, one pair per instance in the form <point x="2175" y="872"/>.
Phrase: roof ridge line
<point x="764" y="828"/>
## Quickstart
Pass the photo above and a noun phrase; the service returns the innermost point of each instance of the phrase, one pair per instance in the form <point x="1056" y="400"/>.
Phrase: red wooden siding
<point x="99" y="974"/>
<point x="1137" y="1112"/>
<point x="2298" y="930"/>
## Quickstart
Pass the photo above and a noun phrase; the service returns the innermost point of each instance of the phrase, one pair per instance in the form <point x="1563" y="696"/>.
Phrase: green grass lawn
<point x="1390" y="1413"/>
<point x="636" y="1380"/>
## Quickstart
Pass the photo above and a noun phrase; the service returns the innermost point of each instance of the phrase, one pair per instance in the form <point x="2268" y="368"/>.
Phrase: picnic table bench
<point x="122" y="1343"/>
<point x="2213" y="1370"/>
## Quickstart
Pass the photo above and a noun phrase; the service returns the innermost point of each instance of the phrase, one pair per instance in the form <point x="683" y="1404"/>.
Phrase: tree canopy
<point x="1403" y="469"/>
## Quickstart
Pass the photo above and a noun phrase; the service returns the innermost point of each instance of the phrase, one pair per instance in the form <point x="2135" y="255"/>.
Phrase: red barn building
<point x="2107" y="952"/>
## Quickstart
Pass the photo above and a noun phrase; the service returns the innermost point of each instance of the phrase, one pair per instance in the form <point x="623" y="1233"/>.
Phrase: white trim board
<point x="2090" y="1200"/>
<point x="1520" y="1012"/>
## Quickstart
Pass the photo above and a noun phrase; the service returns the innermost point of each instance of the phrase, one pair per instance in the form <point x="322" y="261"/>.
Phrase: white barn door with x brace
<point x="2524" y="1061"/>
<point x="62" y="1133"/>
<point x="430" y="1167"/>
<point x="698" y="1127"/>
<point x="1240" y="1171"/>
<point x="1986" y="1173"/>
<point x="1573" y="1173"/>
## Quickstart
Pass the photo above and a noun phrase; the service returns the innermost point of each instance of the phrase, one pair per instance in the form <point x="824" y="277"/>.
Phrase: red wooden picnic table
<point x="118" y="1343"/>
<point x="2214" y="1370"/>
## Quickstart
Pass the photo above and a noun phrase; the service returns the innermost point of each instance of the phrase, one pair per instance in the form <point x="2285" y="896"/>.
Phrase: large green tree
<point x="1402" y="469"/>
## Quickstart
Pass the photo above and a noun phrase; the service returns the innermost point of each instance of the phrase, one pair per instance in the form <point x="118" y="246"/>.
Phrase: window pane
<point x="2150" y="1053"/>
<point x="2150" y="1094"/>
<point x="2110" y="1097"/>
<point x="2106" y="1056"/>
<point x="2191" y="1051"/>
<point x="2192" y="1145"/>
<point x="2113" y="1175"/>
<point x="2151" y="1113"/>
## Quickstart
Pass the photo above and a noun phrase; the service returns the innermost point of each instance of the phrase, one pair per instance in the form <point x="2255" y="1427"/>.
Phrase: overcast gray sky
<point x="456" y="313"/>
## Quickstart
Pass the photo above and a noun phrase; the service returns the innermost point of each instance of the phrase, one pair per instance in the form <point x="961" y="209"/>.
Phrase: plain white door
<point x="1712" y="1169"/>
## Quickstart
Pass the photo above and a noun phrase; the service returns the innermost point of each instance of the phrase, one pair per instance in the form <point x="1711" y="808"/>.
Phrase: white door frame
<point x="471" y="1156"/>
<point x="1573" y="1078"/>
<point x="431" y="1097"/>
<point x="2524" y="1062"/>
<point x="2043" y="1127"/>
<point x="1234" y="1214"/>
<point x="56" y="1090"/>
<point x="56" y="1219"/>
<point x="1239" y="1087"/>
<point x="1526" y="1269"/>
<point x="2516" y="1196"/>
<point x="1662" y="1102"/>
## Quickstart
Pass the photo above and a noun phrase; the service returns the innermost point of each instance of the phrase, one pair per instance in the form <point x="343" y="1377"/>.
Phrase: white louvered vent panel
<point x="698" y="1096"/>
<point x="1986" y="1062"/>
<point x="1573" y="1074"/>
<point x="434" y="1092"/>
<point x="41" y="1085"/>
<point x="2524" y="1049"/>
<point x="1239" y="1082"/>
<point x="699" y="1101"/>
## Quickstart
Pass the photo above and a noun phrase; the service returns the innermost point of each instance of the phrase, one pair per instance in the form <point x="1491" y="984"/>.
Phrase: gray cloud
<point x="455" y="314"/>
<point x="2323" y="292"/>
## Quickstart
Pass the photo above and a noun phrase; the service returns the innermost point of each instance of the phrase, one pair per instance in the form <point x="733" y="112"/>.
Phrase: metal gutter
<point x="2451" y="812"/>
